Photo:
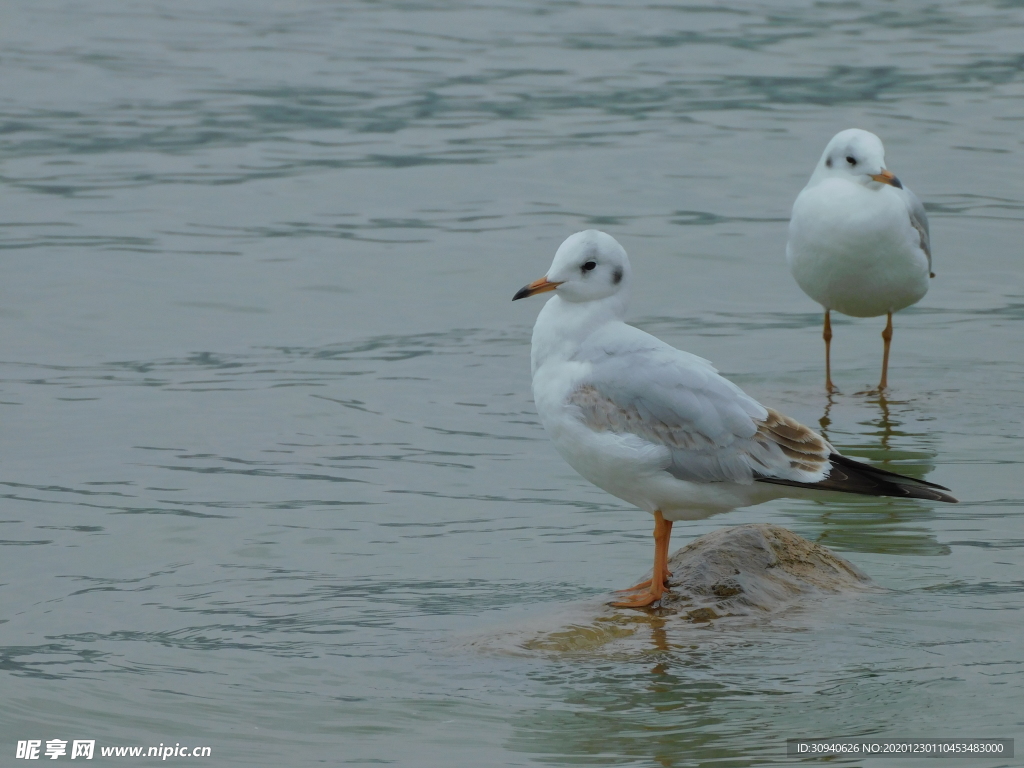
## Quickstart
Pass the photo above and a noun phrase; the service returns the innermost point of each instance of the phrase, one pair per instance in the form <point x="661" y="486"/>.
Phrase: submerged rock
<point x="732" y="578"/>
<point x="750" y="569"/>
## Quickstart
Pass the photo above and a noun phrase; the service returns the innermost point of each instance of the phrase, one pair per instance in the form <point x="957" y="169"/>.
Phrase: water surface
<point x="271" y="463"/>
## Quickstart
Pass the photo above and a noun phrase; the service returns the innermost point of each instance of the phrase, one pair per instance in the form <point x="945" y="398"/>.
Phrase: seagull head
<point x="858" y="156"/>
<point x="589" y="265"/>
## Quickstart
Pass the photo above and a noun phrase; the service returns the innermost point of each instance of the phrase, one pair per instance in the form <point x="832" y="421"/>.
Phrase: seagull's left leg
<point x="658" y="582"/>
<point x="826" y="334"/>
<point x="886" y="339"/>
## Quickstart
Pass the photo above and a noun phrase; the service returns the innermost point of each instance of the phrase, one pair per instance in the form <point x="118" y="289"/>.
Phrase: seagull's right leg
<point x="658" y="582"/>
<point x="886" y="340"/>
<point x="826" y="334"/>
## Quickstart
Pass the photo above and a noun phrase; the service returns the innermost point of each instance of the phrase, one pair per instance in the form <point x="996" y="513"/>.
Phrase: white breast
<point x="854" y="249"/>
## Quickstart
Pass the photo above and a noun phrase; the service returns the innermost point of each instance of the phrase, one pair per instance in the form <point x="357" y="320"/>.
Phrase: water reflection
<point x="673" y="694"/>
<point x="884" y="424"/>
<point x="629" y="711"/>
<point x="878" y="524"/>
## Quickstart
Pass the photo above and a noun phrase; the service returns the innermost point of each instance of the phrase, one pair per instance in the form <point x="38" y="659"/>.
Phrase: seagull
<point x="660" y="428"/>
<point x="858" y="239"/>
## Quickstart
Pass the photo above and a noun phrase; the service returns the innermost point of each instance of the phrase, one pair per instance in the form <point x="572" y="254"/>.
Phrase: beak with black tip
<point x="887" y="177"/>
<point x="537" y="286"/>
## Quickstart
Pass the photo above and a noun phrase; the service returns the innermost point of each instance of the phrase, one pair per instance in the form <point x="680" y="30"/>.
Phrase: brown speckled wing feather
<point x="805" y="449"/>
<point x="774" y="446"/>
<point x="782" y="451"/>
<point x="808" y="450"/>
<point x="603" y="414"/>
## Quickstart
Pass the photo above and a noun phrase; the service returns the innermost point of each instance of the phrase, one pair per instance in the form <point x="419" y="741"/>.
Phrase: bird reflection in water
<point x="878" y="525"/>
<point x="885" y="423"/>
<point x="659" y="643"/>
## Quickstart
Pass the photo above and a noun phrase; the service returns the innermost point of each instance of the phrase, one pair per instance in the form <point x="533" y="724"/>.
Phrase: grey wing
<point x="919" y="220"/>
<point x="714" y="432"/>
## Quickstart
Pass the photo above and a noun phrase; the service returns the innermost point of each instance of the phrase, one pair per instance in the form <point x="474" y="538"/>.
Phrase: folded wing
<point x="919" y="220"/>
<point x="712" y="430"/>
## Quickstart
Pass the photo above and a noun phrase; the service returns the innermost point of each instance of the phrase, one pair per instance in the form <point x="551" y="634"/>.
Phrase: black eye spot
<point x="589" y="266"/>
<point x="828" y="163"/>
<point x="851" y="159"/>
<point x="617" y="275"/>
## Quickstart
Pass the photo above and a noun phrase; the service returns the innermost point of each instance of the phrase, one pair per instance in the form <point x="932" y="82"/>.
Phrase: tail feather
<point x="849" y="476"/>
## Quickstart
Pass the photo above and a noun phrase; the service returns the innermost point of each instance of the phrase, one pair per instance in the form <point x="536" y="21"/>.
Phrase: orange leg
<point x="642" y="585"/>
<point x="656" y="585"/>
<point x="660" y="540"/>
<point x="886" y="339"/>
<point x="826" y="334"/>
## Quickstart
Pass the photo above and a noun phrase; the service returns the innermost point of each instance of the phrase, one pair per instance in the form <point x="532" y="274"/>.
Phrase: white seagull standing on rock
<point x="659" y="427"/>
<point x="858" y="239"/>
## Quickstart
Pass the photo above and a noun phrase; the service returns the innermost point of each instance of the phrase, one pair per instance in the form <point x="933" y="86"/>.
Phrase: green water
<point x="273" y="481"/>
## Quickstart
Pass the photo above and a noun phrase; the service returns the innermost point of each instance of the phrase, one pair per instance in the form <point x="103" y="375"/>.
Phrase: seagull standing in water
<point x="858" y="239"/>
<point x="658" y="427"/>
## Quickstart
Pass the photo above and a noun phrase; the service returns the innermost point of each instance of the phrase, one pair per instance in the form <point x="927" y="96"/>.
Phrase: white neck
<point x="563" y="325"/>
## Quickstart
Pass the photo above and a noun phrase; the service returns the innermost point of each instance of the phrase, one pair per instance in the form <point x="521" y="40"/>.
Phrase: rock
<point x="752" y="569"/>
<point x="727" y="579"/>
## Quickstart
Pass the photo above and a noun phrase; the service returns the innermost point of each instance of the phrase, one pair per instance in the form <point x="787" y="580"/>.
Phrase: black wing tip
<point x="892" y="483"/>
<point x="838" y="458"/>
<point x="851" y="476"/>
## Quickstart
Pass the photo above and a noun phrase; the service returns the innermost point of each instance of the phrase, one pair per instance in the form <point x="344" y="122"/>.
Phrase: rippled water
<point x="273" y="481"/>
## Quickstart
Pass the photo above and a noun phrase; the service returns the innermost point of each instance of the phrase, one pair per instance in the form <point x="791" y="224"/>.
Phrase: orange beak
<point x="887" y="177"/>
<point x="537" y="286"/>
